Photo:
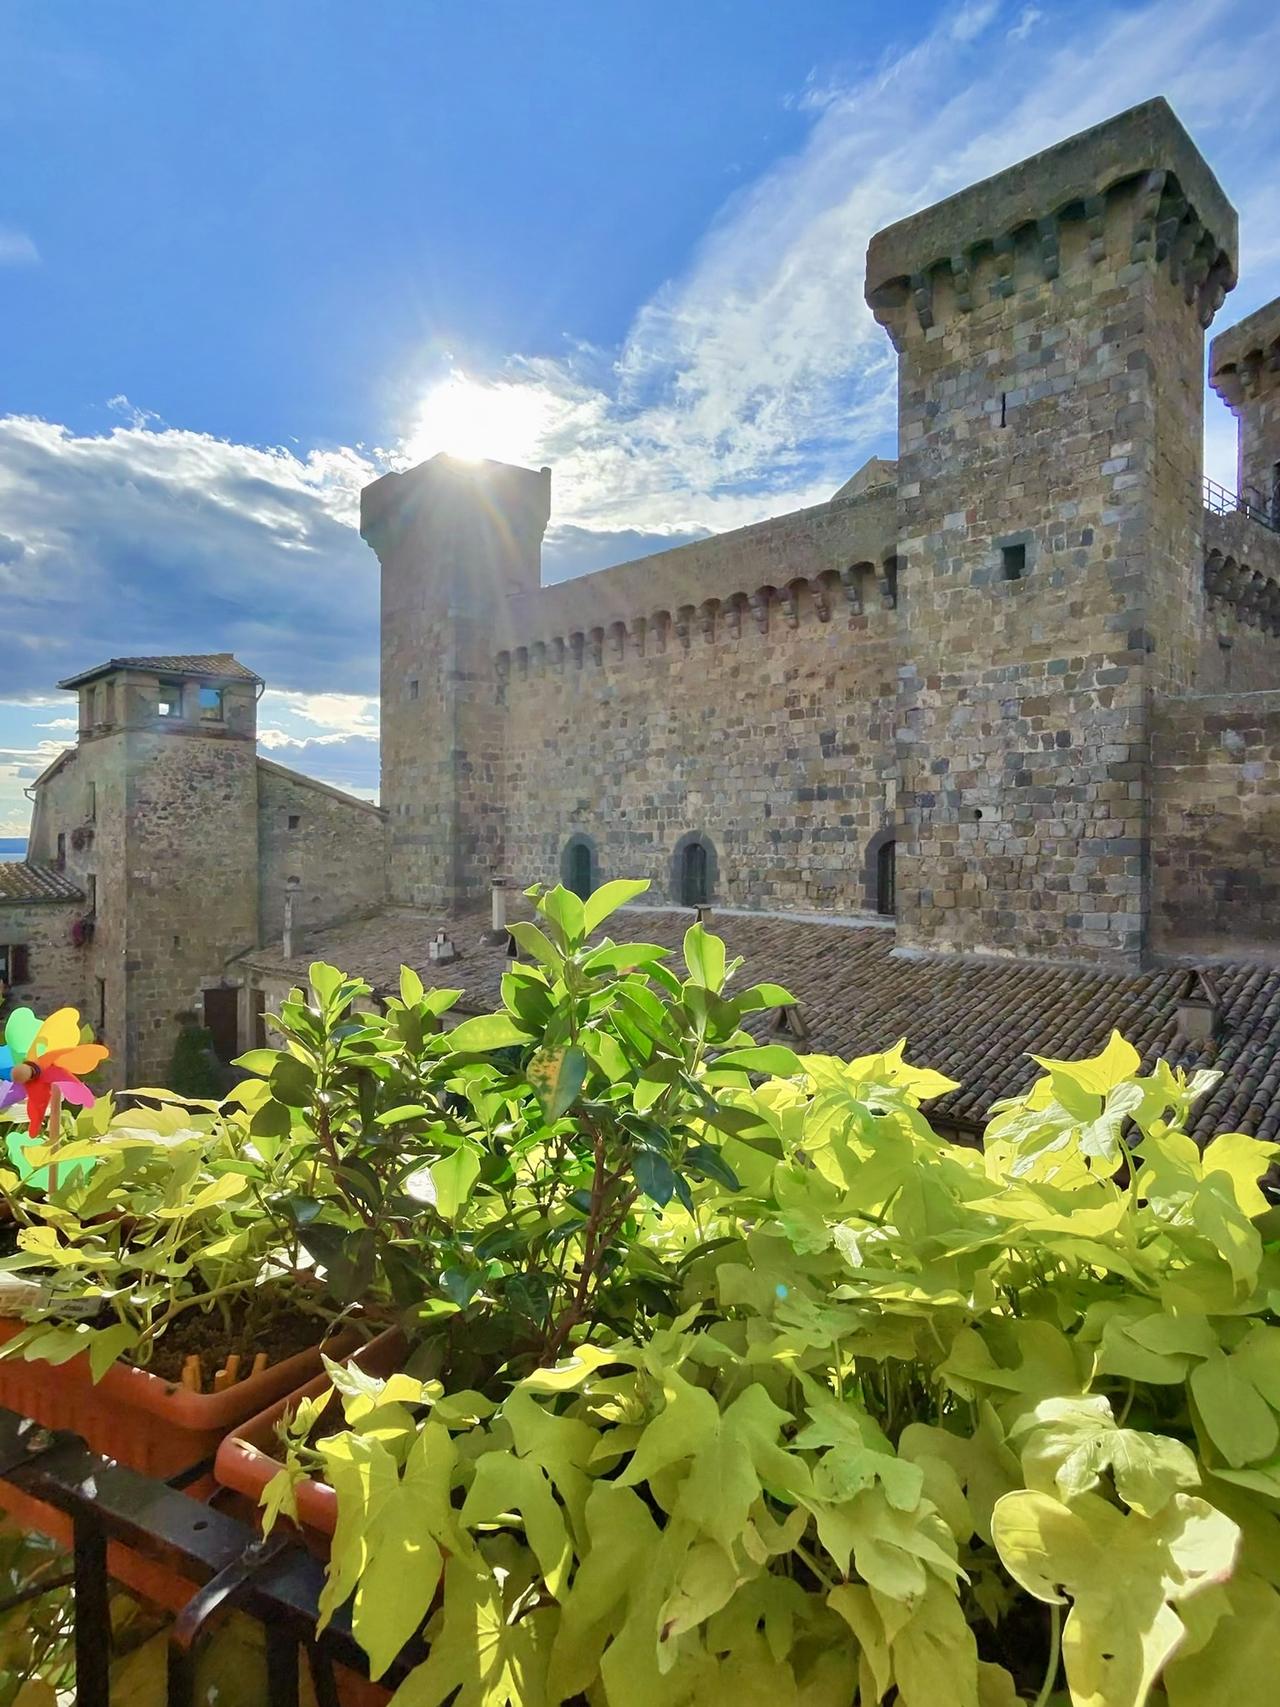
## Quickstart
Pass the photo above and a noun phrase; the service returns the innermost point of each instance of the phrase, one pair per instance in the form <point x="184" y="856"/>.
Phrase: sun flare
<point x="471" y="419"/>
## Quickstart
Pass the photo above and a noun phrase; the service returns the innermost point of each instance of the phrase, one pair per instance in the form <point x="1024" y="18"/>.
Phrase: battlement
<point x="791" y="568"/>
<point x="1246" y="357"/>
<point x="977" y="242"/>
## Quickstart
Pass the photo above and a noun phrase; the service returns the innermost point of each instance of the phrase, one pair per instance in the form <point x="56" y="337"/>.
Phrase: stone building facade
<point x="1014" y="697"/>
<point x="176" y="844"/>
<point x="960" y="689"/>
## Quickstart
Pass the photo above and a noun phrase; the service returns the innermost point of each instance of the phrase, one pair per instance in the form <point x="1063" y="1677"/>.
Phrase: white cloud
<point x="757" y="381"/>
<point x="339" y="715"/>
<point x="58" y="723"/>
<point x="17" y="249"/>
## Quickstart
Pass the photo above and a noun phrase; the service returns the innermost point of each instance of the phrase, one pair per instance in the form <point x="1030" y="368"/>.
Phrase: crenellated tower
<point x="1050" y="328"/>
<point x="1244" y="369"/>
<point x="455" y="540"/>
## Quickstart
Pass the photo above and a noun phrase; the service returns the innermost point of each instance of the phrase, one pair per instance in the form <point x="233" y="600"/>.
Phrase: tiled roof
<point x="221" y="665"/>
<point x="976" y="1020"/>
<point x="20" y="880"/>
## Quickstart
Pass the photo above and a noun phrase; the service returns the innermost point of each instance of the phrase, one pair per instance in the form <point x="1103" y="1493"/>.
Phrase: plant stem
<point x="1055" y="1648"/>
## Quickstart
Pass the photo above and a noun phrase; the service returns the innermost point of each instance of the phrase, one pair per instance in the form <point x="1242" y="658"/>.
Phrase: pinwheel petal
<point x="6" y="1060"/>
<point x="82" y="1059"/>
<point x="37" y="1103"/>
<point x="71" y="1088"/>
<point x="11" y="1093"/>
<point x="20" y="1032"/>
<point x="60" y="1031"/>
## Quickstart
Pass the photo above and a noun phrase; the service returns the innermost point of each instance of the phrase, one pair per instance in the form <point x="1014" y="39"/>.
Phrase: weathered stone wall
<point x="56" y="967"/>
<point x="192" y="860"/>
<point x="740" y="688"/>
<point x="1048" y="404"/>
<point x="331" y="841"/>
<point x="85" y="793"/>
<point x="454" y="540"/>
<point x="1215" y="807"/>
<point x="773" y="741"/>
<point x="1240" y="637"/>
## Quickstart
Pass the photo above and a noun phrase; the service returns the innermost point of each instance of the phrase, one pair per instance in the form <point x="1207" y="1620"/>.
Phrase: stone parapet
<point x="1179" y="217"/>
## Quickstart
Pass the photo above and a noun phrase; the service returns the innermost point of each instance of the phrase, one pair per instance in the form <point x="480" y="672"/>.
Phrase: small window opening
<point x="101" y="1024"/>
<point x="295" y="818"/>
<point x="581" y="874"/>
<point x="1275" y="496"/>
<point x="177" y="941"/>
<point x="211" y="707"/>
<point x="693" y="875"/>
<point x="1004" y="413"/>
<point x="14" y="966"/>
<point x="886" y="881"/>
<point x="91" y="802"/>
<point x="91" y="892"/>
<point x="60" y="857"/>
<point x="413" y="689"/>
<point x="169" y="700"/>
<point x="1013" y="560"/>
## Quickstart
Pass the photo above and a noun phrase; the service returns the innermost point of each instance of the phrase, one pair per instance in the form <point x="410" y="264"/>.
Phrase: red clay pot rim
<point x="139" y="1390"/>
<point x="246" y="1459"/>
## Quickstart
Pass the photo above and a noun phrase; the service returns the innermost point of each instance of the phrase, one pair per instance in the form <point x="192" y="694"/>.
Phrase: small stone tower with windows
<point x="154" y="814"/>
<point x="455" y="540"/>
<point x="1244" y="369"/>
<point x="1050" y="328"/>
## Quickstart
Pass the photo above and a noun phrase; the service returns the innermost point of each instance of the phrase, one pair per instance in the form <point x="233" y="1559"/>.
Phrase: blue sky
<point x="251" y="255"/>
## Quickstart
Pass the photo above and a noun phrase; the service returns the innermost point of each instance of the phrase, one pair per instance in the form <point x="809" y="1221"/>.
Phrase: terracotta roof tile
<point x="220" y="665"/>
<point x="20" y="880"/>
<point x="976" y="1020"/>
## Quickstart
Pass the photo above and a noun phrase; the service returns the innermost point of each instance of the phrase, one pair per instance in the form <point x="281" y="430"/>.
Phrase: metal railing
<point x="275" y="1581"/>
<point x="1223" y="503"/>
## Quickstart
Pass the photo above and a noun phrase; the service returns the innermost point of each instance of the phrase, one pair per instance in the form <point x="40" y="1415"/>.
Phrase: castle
<point x="1000" y="719"/>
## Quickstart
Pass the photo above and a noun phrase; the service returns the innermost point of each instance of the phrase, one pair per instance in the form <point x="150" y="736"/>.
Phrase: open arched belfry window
<point x="578" y="866"/>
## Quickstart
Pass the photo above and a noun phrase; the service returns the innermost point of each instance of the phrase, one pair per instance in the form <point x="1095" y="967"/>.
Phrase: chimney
<point x="498" y="929"/>
<point x="291" y="888"/>
<point x="441" y="949"/>
<point x="702" y="916"/>
<point x="1199" y="1008"/>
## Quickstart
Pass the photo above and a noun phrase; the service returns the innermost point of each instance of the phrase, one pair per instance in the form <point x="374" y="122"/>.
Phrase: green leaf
<point x="655" y="1177"/>
<point x="453" y="1177"/>
<point x="607" y="899"/>
<point x="565" y="912"/>
<point x="533" y="942"/>
<point x="292" y="1082"/>
<point x="485" y="1032"/>
<point x="504" y="1483"/>
<point x="1124" y="1576"/>
<point x="478" y="1655"/>
<point x="326" y="980"/>
<point x="259" y="1061"/>
<point x="1237" y="1418"/>
<point x="706" y="1159"/>
<point x="771" y="1058"/>
<point x="557" y="1075"/>
<point x="704" y="957"/>
<point x="109" y="1344"/>
<point x="412" y="988"/>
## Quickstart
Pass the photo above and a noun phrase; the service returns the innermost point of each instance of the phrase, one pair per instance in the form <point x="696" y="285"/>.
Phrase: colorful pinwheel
<point x="36" y="1056"/>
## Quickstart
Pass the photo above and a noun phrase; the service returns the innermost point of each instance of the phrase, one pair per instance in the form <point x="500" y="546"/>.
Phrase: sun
<point x="474" y="419"/>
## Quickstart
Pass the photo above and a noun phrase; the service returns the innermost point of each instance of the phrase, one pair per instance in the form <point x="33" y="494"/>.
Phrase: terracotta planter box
<point x="248" y="1456"/>
<point x="149" y="1424"/>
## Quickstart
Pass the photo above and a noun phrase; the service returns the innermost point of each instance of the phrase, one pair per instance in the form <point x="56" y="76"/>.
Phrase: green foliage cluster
<point x="731" y="1378"/>
<point x="193" y="1069"/>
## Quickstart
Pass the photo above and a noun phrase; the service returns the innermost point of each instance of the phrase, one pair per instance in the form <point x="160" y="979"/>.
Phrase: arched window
<point x="578" y="866"/>
<point x="886" y="896"/>
<point x="693" y="871"/>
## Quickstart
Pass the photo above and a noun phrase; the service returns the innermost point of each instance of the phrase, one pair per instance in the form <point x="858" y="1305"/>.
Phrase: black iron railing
<point x="276" y="1581"/>
<point x="1224" y="503"/>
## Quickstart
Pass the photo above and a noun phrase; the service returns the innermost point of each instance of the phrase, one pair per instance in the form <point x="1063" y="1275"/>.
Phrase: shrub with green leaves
<point x="896" y="1419"/>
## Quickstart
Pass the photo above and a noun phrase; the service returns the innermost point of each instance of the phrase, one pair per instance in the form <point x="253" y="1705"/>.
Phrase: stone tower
<point x="455" y="540"/>
<point x="1244" y="369"/>
<point x="156" y="817"/>
<point x="1049" y="324"/>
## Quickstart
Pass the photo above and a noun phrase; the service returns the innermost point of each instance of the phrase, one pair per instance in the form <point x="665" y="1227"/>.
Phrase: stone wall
<point x="329" y="840"/>
<point x="56" y="968"/>
<point x="773" y="740"/>
<point x="82" y="798"/>
<point x="1215" y="809"/>
<point x="1240" y="637"/>
<point x="192" y="862"/>
<point x="1048" y="501"/>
